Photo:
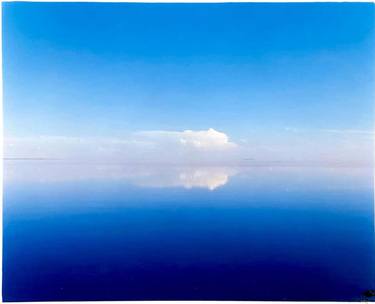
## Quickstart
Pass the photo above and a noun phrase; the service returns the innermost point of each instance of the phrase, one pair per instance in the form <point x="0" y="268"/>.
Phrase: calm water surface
<point x="116" y="232"/>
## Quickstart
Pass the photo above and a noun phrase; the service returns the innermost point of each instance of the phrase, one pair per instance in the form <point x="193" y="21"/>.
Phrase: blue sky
<point x="260" y="73"/>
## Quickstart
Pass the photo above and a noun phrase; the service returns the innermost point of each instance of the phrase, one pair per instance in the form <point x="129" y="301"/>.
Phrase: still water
<point x="76" y="231"/>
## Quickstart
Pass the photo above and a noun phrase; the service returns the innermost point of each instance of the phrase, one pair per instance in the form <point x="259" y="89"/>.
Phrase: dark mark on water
<point x="369" y="293"/>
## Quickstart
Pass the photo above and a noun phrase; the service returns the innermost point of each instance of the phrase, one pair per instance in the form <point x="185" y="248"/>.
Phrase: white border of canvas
<point x="2" y="155"/>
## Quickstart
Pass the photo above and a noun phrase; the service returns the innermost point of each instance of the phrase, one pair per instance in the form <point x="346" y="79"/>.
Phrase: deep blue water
<point x="114" y="232"/>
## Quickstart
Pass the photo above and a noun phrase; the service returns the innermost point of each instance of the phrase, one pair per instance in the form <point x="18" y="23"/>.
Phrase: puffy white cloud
<point x="155" y="146"/>
<point x="203" y="140"/>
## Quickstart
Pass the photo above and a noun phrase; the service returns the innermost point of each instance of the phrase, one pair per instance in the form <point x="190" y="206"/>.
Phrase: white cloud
<point x="335" y="131"/>
<point x="199" y="147"/>
<point x="202" y="140"/>
<point x="155" y="146"/>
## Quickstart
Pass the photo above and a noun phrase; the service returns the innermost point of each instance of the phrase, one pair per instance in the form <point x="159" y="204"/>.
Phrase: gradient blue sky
<point x="256" y="72"/>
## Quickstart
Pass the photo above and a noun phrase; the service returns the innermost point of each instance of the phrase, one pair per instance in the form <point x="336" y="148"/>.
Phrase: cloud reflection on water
<point x="199" y="177"/>
<point x="158" y="176"/>
<point x="275" y="176"/>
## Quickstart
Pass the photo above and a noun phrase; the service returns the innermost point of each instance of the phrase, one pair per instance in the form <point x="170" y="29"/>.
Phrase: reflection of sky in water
<point x="99" y="232"/>
<point x="210" y="177"/>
